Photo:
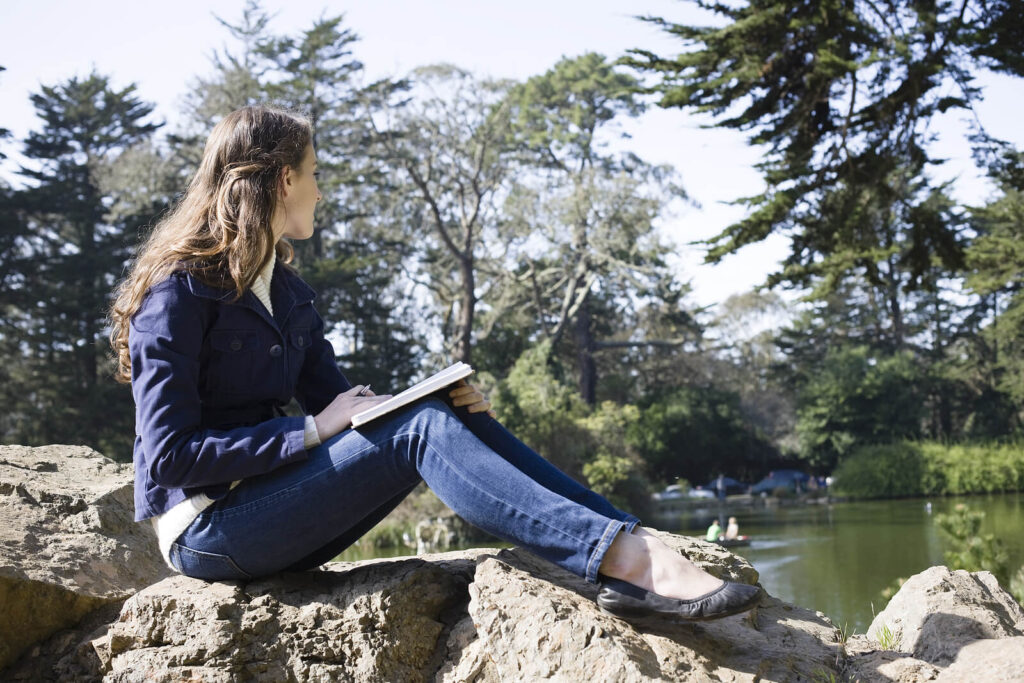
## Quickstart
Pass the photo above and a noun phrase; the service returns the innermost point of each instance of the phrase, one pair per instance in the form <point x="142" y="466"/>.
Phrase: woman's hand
<point x="338" y="415"/>
<point x="465" y="394"/>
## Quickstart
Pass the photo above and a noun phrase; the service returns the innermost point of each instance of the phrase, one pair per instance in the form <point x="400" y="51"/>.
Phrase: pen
<point x="362" y="392"/>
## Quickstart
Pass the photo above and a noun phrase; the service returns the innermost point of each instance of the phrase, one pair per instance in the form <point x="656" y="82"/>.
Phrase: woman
<point x="216" y="333"/>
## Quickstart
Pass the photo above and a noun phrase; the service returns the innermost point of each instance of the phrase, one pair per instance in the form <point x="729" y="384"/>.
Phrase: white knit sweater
<point x="172" y="524"/>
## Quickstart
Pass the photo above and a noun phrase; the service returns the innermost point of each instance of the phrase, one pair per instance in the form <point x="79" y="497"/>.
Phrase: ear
<point x="286" y="180"/>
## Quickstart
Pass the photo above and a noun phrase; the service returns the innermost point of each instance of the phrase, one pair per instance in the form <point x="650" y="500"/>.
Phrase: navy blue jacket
<point x="210" y="376"/>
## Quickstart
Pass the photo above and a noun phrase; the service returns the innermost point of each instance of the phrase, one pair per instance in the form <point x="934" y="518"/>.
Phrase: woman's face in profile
<point x="300" y="197"/>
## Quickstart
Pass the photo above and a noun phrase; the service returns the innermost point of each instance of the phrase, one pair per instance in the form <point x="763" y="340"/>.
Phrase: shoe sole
<point x="671" y="619"/>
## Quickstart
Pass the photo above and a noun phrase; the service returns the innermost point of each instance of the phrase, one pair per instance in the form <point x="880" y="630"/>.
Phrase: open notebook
<point x="450" y="375"/>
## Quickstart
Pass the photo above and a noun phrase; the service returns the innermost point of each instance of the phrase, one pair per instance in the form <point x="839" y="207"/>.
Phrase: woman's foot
<point x="651" y="582"/>
<point x="643" y="560"/>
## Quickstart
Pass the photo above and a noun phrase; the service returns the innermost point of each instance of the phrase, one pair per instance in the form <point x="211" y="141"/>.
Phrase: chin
<point x="300" y="234"/>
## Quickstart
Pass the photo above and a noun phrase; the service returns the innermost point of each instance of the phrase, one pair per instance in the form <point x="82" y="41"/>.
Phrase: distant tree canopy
<point x="842" y="96"/>
<point x="507" y="223"/>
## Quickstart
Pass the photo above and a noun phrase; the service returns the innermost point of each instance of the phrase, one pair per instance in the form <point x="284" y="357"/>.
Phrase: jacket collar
<point x="287" y="290"/>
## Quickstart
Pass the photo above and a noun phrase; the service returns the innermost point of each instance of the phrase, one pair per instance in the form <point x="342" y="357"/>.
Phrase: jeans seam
<point x="220" y="556"/>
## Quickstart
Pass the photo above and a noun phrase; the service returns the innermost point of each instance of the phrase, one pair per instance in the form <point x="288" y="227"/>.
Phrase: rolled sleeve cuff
<point x="311" y="438"/>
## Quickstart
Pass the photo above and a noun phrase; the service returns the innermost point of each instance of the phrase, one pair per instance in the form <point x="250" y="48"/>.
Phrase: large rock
<point x="379" y="621"/>
<point x="482" y="615"/>
<point x="866" y="663"/>
<point x="938" y="612"/>
<point x="70" y="549"/>
<point x="523" y="627"/>
<point x="68" y="545"/>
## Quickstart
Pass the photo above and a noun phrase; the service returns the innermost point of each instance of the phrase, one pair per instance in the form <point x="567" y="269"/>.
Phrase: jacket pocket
<point x="299" y="338"/>
<point x="232" y="359"/>
<point x="299" y="341"/>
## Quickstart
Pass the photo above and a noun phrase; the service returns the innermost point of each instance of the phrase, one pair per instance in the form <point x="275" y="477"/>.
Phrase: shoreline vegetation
<point x="908" y="469"/>
<point x="905" y="469"/>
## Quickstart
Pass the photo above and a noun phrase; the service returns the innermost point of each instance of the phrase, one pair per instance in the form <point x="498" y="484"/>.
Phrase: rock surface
<point x="993" y="661"/>
<point x="483" y="615"/>
<point x="938" y="612"/>
<point x="70" y="549"/>
<point x="68" y="545"/>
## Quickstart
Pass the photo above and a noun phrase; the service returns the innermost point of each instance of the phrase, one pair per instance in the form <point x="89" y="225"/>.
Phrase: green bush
<point x="598" y="445"/>
<point x="912" y="468"/>
<point x="970" y="549"/>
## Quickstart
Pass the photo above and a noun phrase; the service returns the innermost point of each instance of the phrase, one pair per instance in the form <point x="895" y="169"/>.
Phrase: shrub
<point x="970" y="549"/>
<point x="912" y="468"/>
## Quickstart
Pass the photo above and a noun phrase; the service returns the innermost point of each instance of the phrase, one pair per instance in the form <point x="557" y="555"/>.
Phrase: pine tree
<point x="64" y="259"/>
<point x="841" y="94"/>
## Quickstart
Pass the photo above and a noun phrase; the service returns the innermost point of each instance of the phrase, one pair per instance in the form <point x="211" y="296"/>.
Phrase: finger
<point x="492" y="414"/>
<point x="353" y="391"/>
<point x="462" y="390"/>
<point x="481" y="407"/>
<point x="468" y="399"/>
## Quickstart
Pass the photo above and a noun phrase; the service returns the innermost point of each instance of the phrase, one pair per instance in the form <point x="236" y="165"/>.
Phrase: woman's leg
<point x="526" y="460"/>
<point x="639" y="558"/>
<point x="276" y="520"/>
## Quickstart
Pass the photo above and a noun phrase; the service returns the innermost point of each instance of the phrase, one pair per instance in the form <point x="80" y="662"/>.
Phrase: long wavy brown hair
<point x="220" y="231"/>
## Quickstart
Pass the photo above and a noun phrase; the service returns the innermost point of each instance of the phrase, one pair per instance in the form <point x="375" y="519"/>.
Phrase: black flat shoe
<point x="632" y="603"/>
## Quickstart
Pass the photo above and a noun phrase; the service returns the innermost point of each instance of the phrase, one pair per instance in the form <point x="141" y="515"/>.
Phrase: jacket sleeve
<point x="165" y="341"/>
<point x="320" y="379"/>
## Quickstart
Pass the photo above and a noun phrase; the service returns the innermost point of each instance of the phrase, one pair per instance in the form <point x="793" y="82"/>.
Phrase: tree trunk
<point x="464" y="326"/>
<point x="585" y="354"/>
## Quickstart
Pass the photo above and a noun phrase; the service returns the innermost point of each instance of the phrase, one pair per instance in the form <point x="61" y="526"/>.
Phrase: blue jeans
<point x="303" y="514"/>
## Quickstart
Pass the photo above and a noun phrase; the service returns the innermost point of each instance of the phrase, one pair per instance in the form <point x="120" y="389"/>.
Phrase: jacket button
<point x="276" y="350"/>
<point x="302" y="340"/>
<point x="236" y="344"/>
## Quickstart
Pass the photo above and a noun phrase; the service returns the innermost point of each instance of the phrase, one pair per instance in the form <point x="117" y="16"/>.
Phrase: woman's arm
<point x="165" y="341"/>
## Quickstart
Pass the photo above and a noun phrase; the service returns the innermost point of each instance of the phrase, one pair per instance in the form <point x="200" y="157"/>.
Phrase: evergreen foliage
<point x="589" y="212"/>
<point x="492" y="221"/>
<point x="840" y="94"/>
<point x="65" y="249"/>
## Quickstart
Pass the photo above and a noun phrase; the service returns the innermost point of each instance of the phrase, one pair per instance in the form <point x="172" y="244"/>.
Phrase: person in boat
<point x="732" y="531"/>
<point x="714" y="531"/>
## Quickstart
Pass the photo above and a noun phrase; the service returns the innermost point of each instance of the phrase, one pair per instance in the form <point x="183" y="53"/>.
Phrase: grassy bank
<point x="922" y="468"/>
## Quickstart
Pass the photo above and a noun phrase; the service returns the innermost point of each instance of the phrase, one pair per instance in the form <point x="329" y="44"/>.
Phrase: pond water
<point x="837" y="558"/>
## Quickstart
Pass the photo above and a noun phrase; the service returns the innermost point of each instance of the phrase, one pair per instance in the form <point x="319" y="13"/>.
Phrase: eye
<point x="316" y="174"/>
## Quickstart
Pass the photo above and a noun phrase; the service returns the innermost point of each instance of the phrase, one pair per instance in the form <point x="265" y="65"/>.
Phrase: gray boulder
<point x="938" y="612"/>
<point x="68" y="545"/>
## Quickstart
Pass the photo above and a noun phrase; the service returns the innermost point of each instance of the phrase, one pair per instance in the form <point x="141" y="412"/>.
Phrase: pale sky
<point x="162" y="47"/>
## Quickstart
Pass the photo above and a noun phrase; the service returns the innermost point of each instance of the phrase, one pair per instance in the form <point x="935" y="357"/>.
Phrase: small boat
<point x="733" y="542"/>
